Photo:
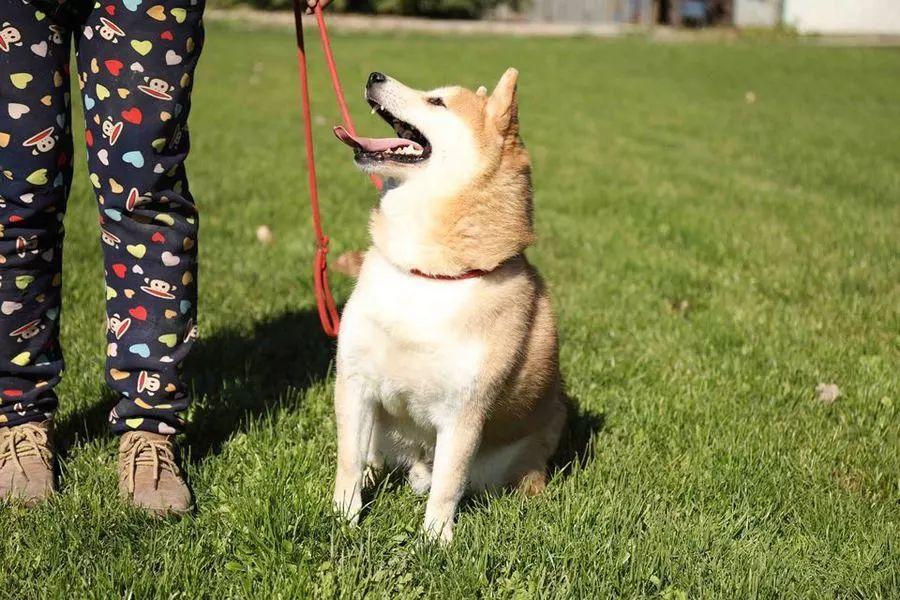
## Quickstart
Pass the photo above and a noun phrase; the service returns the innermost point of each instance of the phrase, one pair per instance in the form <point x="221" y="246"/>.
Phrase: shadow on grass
<point x="84" y="425"/>
<point x="234" y="376"/>
<point x="237" y="375"/>
<point x="576" y="445"/>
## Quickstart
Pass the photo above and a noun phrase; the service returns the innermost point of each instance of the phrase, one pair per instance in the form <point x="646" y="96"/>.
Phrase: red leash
<point x="328" y="313"/>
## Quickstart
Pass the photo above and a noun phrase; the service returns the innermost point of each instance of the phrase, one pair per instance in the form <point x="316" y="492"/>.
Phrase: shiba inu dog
<point x="447" y="361"/>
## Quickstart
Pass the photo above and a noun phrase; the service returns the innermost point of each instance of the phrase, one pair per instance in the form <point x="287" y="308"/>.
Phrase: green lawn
<point x="711" y="260"/>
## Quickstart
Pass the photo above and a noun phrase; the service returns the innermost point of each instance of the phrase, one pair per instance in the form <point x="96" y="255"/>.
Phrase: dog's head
<point x="458" y="176"/>
<point x="446" y="132"/>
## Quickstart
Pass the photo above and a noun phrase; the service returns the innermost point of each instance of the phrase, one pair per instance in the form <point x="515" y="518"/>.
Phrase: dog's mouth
<point x="411" y="146"/>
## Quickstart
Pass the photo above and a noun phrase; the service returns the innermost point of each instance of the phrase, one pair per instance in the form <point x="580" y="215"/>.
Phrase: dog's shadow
<point x="235" y="376"/>
<point x="576" y="445"/>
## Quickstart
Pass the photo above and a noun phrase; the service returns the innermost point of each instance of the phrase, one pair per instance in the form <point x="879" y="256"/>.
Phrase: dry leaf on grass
<point x="349" y="263"/>
<point x="678" y="306"/>
<point x="827" y="393"/>
<point x="264" y="235"/>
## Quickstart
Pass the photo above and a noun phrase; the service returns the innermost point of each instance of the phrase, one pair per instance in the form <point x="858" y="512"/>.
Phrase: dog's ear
<point x="502" y="107"/>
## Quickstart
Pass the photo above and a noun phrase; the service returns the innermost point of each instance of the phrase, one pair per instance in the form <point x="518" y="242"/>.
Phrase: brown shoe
<point x="149" y="478"/>
<point x="26" y="463"/>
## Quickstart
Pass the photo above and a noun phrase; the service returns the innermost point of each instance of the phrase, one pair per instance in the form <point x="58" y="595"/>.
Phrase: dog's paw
<point x="533" y="483"/>
<point x="438" y="531"/>
<point x="347" y="505"/>
<point x="419" y="478"/>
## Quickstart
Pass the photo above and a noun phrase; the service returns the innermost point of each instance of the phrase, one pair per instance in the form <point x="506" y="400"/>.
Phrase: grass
<point x="711" y="260"/>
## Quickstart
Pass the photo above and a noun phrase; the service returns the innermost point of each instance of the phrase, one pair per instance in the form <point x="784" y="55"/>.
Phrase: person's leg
<point x="136" y="71"/>
<point x="35" y="175"/>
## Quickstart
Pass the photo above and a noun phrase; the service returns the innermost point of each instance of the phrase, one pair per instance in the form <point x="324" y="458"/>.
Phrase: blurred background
<point x="804" y="16"/>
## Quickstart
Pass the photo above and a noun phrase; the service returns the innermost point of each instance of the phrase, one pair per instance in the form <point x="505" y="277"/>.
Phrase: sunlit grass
<point x="712" y="260"/>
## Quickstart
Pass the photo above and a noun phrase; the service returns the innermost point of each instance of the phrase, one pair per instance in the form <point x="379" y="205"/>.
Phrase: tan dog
<point x="447" y="360"/>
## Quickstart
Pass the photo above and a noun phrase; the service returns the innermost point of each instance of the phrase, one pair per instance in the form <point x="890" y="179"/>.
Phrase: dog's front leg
<point x="354" y="414"/>
<point x="457" y="443"/>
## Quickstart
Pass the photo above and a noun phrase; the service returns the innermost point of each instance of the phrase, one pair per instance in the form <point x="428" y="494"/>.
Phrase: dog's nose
<point x="376" y="77"/>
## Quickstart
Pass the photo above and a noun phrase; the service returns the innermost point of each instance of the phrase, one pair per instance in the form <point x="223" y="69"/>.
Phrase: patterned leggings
<point x="135" y="63"/>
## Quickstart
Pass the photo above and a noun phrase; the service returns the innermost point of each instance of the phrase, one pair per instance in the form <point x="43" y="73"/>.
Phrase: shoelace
<point x="142" y="452"/>
<point x="25" y="440"/>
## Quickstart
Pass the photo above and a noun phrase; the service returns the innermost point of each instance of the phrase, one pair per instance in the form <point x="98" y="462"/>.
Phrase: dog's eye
<point x="437" y="102"/>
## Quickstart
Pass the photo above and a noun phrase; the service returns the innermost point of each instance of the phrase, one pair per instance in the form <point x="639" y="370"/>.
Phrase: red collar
<point x="464" y="275"/>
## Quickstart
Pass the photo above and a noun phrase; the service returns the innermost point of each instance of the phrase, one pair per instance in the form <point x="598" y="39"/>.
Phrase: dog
<point x="447" y="358"/>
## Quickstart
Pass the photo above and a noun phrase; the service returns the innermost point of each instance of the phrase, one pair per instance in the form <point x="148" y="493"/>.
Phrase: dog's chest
<point x="406" y="338"/>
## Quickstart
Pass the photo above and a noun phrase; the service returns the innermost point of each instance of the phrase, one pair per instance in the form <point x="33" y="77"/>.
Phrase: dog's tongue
<point x="373" y="144"/>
